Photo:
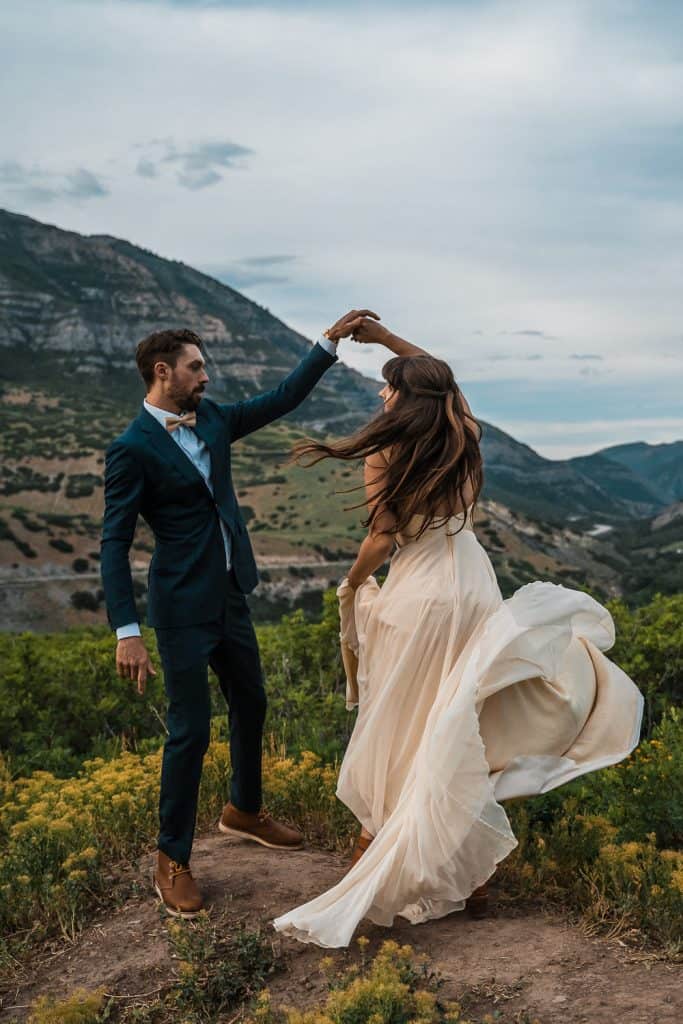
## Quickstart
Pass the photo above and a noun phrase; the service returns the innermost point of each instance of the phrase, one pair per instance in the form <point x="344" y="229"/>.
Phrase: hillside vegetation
<point x="62" y="702"/>
<point x="608" y="844"/>
<point x="51" y="500"/>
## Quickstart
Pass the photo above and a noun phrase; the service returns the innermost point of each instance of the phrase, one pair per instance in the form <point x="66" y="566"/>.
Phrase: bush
<point x="216" y="974"/>
<point x="82" y="1007"/>
<point x="579" y="860"/>
<point x="59" y="837"/>
<point x="85" y="600"/>
<point x="59" y="544"/>
<point x="221" y="965"/>
<point x="82" y="485"/>
<point x="396" y="987"/>
<point x="649" y="648"/>
<point x="61" y="699"/>
<point x="607" y="844"/>
<point x="643" y="795"/>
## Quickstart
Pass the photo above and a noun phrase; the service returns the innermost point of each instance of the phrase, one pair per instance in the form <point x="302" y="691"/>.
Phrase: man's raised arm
<point x="253" y="413"/>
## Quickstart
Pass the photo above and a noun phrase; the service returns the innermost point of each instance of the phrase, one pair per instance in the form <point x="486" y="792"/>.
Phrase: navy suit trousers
<point x="229" y="646"/>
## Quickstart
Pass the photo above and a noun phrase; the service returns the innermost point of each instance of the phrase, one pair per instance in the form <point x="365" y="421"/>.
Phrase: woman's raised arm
<point x="371" y="332"/>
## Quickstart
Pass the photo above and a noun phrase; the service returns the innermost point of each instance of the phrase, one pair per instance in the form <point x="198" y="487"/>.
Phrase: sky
<point x="501" y="181"/>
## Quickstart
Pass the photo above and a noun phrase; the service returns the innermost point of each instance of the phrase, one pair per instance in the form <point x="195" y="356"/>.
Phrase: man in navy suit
<point x="172" y="467"/>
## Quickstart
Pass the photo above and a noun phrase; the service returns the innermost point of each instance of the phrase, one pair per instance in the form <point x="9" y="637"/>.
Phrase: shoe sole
<point x="478" y="910"/>
<point x="249" y="835"/>
<point x="186" y="914"/>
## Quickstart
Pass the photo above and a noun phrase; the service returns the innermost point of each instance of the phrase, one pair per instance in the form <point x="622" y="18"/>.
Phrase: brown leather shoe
<point x="176" y="888"/>
<point x="361" y="845"/>
<point x="477" y="903"/>
<point x="259" y="827"/>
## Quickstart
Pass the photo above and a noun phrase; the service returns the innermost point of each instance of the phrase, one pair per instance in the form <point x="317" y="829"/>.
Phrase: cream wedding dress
<point x="465" y="700"/>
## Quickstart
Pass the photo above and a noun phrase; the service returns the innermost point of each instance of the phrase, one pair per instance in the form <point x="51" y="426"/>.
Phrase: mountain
<point x="659" y="466"/>
<point x="582" y="488"/>
<point x="73" y="308"/>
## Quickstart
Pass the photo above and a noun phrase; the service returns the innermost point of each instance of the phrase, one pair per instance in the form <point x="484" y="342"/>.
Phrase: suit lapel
<point x="171" y="452"/>
<point x="209" y="431"/>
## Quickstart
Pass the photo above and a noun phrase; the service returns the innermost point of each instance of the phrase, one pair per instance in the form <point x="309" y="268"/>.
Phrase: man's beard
<point x="192" y="401"/>
<point x="187" y="401"/>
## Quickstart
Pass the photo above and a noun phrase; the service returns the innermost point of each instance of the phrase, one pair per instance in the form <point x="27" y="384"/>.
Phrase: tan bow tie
<point x="188" y="420"/>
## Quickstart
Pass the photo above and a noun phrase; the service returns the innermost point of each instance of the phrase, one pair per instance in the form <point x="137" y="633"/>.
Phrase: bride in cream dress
<point x="465" y="700"/>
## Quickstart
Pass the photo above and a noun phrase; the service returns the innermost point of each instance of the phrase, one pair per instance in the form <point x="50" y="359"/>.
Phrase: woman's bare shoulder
<point x="378" y="460"/>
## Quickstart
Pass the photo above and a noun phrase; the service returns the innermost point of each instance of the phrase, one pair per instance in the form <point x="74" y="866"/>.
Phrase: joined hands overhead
<point x="364" y="327"/>
<point x="349" y="323"/>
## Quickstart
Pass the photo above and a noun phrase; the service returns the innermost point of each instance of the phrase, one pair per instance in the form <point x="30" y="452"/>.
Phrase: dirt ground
<point x="519" y="962"/>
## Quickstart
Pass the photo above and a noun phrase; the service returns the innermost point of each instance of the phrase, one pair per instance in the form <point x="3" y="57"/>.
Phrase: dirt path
<point x="518" y="961"/>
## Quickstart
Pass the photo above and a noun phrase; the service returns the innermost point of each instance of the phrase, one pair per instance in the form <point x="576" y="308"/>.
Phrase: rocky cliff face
<point x="79" y="304"/>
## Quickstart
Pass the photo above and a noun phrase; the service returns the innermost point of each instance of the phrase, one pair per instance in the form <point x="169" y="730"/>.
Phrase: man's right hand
<point x="348" y="323"/>
<point x="133" y="661"/>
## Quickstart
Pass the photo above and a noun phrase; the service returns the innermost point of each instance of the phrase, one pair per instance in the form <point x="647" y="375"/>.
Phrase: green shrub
<point x="649" y="648"/>
<point x="60" y="544"/>
<point x="81" y="1007"/>
<point x="60" y="837"/>
<point x="61" y="700"/>
<point x="82" y="485"/>
<point x="85" y="600"/>
<point x="395" y="987"/>
<point x="220" y="965"/>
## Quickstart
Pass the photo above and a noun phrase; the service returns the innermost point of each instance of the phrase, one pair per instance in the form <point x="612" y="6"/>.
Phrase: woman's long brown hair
<point x="434" y="448"/>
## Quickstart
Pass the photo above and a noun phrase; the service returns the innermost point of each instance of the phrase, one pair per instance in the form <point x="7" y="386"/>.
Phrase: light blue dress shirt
<point x="199" y="455"/>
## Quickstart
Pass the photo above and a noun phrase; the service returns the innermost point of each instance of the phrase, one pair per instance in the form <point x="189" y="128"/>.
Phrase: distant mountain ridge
<point x="658" y="465"/>
<point x="72" y="306"/>
<point x="614" y="487"/>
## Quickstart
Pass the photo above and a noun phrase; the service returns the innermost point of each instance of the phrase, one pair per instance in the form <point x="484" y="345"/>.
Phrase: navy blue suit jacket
<point x="148" y="474"/>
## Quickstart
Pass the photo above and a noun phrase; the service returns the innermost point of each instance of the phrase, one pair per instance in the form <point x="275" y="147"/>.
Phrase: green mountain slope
<point x="659" y="466"/>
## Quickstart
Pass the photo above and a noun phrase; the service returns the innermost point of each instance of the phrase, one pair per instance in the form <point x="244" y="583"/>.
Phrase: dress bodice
<point x="448" y="527"/>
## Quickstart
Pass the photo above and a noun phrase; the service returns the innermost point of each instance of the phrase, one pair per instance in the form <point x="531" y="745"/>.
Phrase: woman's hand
<point x="344" y="327"/>
<point x="369" y="332"/>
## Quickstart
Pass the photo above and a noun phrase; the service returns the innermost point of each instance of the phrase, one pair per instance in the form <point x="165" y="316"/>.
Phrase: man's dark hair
<point x="164" y="346"/>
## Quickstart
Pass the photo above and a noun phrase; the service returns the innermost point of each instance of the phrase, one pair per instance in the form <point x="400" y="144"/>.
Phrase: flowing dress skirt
<point x="464" y="700"/>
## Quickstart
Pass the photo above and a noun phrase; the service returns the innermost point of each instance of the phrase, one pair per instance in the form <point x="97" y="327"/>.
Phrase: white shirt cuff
<point x="329" y="346"/>
<point x="131" y="629"/>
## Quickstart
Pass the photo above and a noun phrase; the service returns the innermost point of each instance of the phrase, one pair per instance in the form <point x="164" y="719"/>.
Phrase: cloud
<point x="251" y="271"/>
<point x="585" y="355"/>
<point x="530" y="334"/>
<point x="83" y="184"/>
<point x="269" y="261"/>
<point x="199" y="165"/>
<point x="499" y="357"/>
<point x="557" y="195"/>
<point x="146" y="169"/>
<point x="38" y="184"/>
<point x="197" y="179"/>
